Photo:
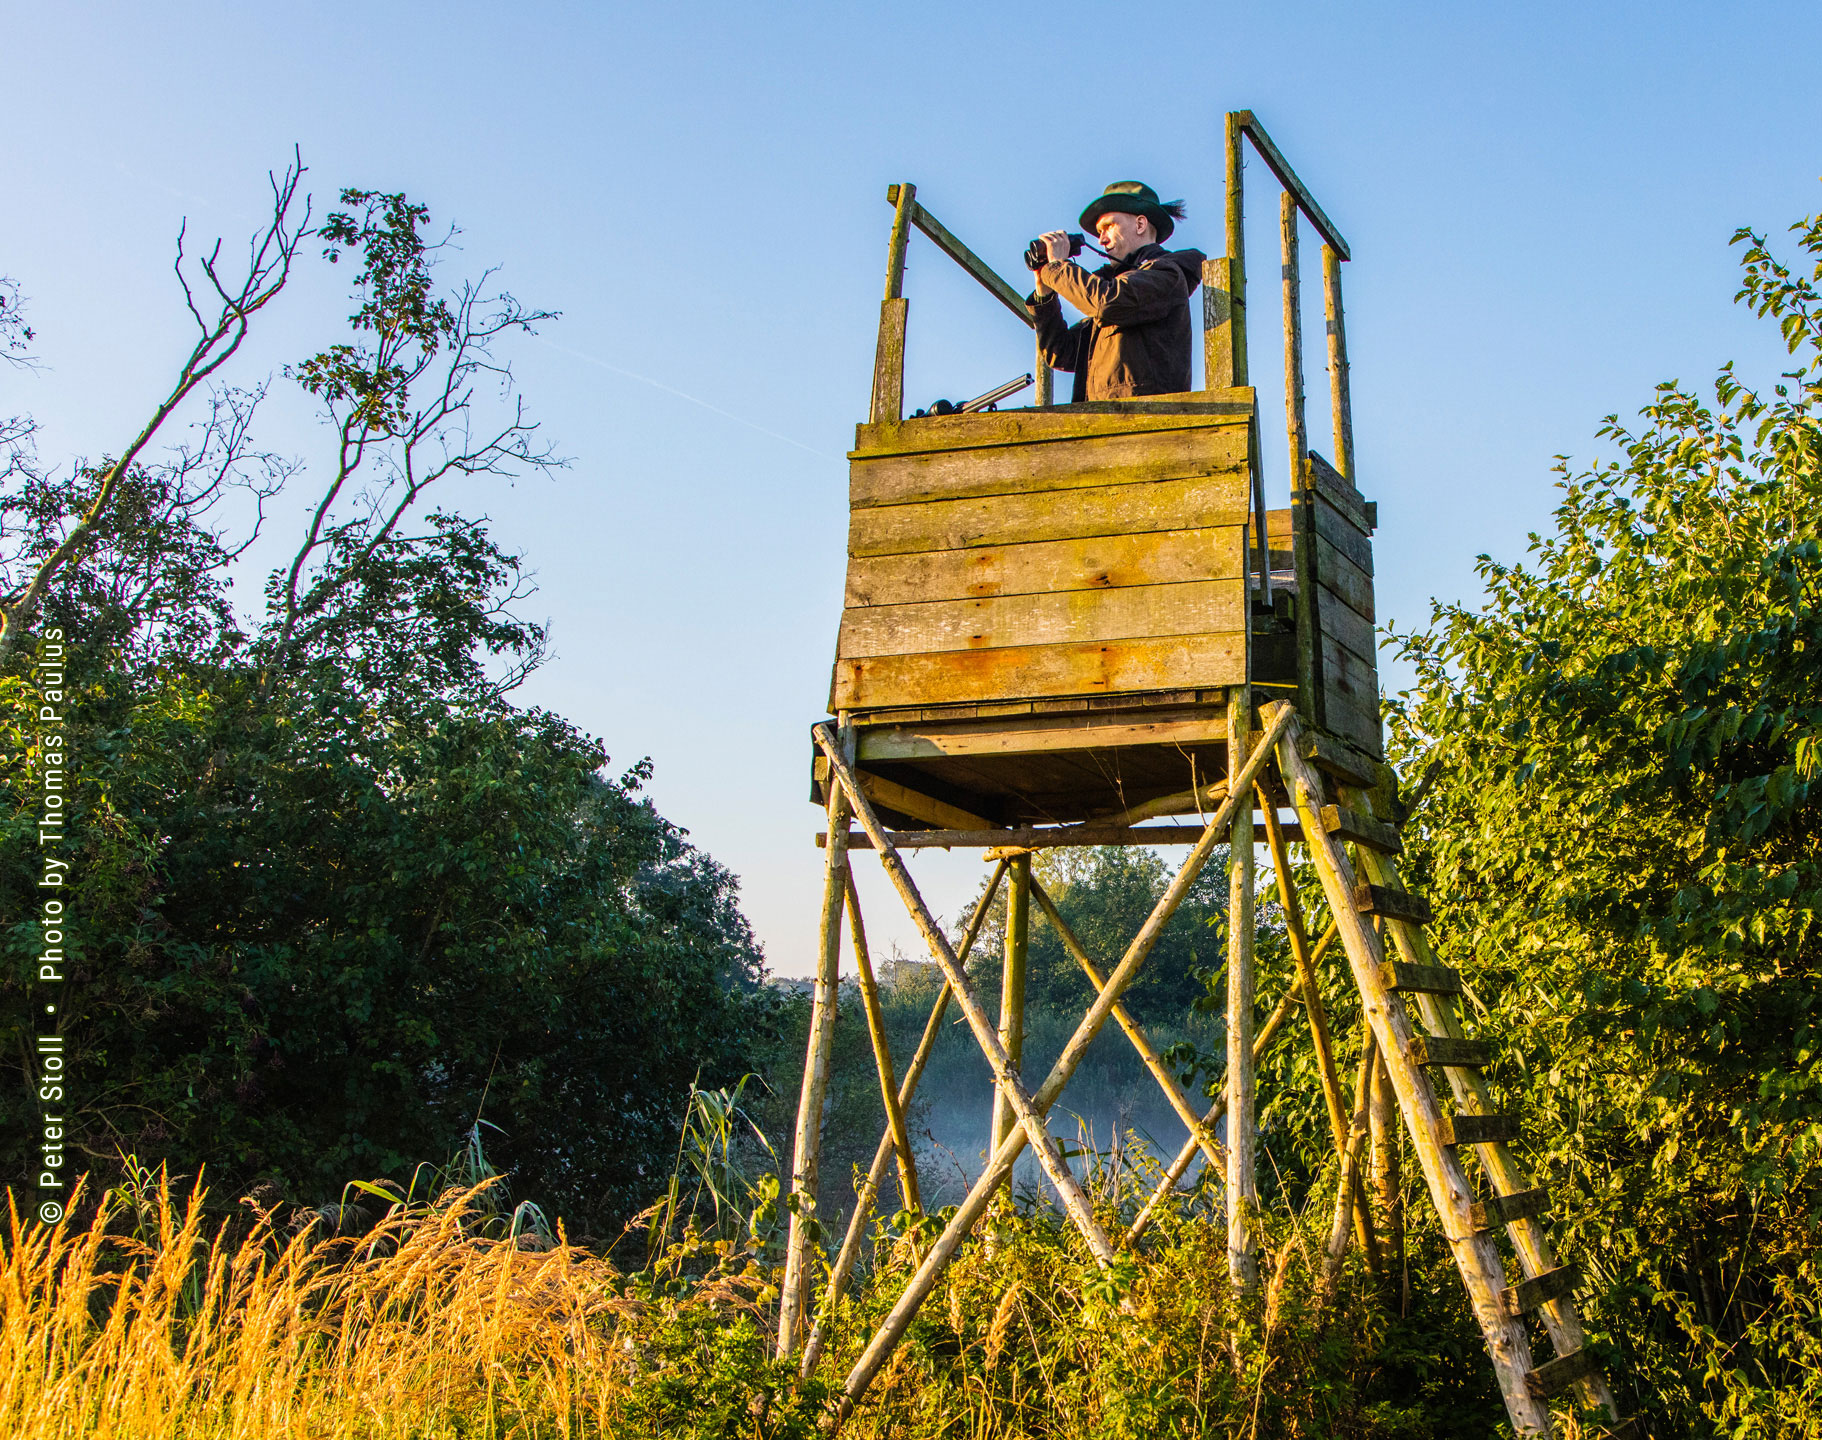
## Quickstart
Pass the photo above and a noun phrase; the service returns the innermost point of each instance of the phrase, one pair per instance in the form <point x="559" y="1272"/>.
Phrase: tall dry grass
<point x="423" y="1327"/>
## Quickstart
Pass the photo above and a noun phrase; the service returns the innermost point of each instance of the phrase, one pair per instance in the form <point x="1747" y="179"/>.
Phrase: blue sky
<point x="1538" y="198"/>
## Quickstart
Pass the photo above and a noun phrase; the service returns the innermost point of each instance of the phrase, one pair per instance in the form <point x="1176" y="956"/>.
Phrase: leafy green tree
<point x="1626" y="849"/>
<point x="335" y="900"/>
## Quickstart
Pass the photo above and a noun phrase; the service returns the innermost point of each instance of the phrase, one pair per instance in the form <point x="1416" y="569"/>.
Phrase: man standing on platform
<point x="1134" y="338"/>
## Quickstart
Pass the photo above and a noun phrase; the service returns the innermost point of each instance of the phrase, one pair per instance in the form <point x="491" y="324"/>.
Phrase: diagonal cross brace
<point x="1141" y="1042"/>
<point x="1075" y="1202"/>
<point x="869" y="1190"/>
<point x="999" y="1165"/>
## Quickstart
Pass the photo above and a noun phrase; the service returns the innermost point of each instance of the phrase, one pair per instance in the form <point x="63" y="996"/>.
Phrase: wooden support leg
<point x="1242" y="1132"/>
<point x="892" y="1329"/>
<point x="1482" y="1272"/>
<point x="1388" y="1202"/>
<point x="882" y="1055"/>
<point x="1012" y="989"/>
<point x="1306" y="974"/>
<point x="914" y="1072"/>
<point x="1075" y="1203"/>
<point x="1312" y="997"/>
<point x="1347" y="1193"/>
<point x="1537" y="1256"/>
<point x="1180" y="1166"/>
<point x="794" y="1289"/>
<point x="1199" y="1131"/>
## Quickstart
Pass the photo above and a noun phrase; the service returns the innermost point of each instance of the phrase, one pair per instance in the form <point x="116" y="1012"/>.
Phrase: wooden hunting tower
<point x="1066" y="621"/>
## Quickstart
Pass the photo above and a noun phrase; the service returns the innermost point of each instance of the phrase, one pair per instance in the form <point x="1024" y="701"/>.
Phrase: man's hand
<point x="1056" y="247"/>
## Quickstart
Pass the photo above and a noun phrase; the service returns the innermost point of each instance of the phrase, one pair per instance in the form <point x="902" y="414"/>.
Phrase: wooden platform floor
<point x="1042" y="763"/>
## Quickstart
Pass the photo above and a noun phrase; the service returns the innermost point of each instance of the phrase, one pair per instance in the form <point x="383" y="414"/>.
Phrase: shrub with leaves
<point x="1626" y="848"/>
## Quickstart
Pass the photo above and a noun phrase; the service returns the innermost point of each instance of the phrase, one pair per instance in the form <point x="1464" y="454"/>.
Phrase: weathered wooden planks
<point x="1338" y="573"/>
<point x="1119" y="509"/>
<point x="1392" y="904"/>
<point x="1191" y="410"/>
<point x="1095" y="562"/>
<point x="1094" y="459"/>
<point x="1153" y="664"/>
<point x="1027" y="735"/>
<point x="1341" y="494"/>
<point x="1062" y="618"/>
<point x="1339" y="531"/>
<point x="1347" y="627"/>
<point x="1031" y="556"/>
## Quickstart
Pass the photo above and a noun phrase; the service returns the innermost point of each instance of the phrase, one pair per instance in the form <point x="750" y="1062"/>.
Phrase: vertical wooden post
<point x="907" y="1090"/>
<point x="1306" y="973"/>
<point x="1219" y="304"/>
<point x="1236" y="254"/>
<point x="1012" y="988"/>
<point x="1242" y="1133"/>
<point x="1294" y="424"/>
<point x="889" y="355"/>
<point x="794" y="1289"/>
<point x="1341" y="406"/>
<point x="1388" y="1203"/>
<point x="1046" y="379"/>
<point x="1347" y="1193"/>
<point x="882" y="1055"/>
<point x="1319" y="1021"/>
<point x="1303" y="526"/>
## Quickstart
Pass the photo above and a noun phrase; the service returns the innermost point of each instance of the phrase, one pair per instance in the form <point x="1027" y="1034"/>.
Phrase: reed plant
<point x="451" y="1312"/>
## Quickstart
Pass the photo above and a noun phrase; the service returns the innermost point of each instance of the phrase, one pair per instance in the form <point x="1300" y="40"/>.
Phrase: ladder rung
<point x="1478" y="1129"/>
<point x="1443" y="1050"/>
<point x="1346" y="824"/>
<point x="1338" y="760"/>
<point x="1555" y="1376"/>
<point x="1539" y="1290"/>
<point x="1424" y="979"/>
<point x="1504" y="1209"/>
<point x="1393" y="904"/>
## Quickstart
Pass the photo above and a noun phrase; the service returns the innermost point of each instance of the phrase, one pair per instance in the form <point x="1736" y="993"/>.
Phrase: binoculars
<point x="1036" y="253"/>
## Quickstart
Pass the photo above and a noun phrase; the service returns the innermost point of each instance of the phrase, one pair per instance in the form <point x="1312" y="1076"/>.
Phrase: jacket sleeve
<point x="1063" y="345"/>
<point x="1133" y="297"/>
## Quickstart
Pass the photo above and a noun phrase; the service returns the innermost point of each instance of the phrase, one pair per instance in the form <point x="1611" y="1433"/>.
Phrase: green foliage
<point x="1627" y="852"/>
<point x="336" y="901"/>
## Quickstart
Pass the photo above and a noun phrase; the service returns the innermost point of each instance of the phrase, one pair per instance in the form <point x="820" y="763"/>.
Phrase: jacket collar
<point x="1135" y="260"/>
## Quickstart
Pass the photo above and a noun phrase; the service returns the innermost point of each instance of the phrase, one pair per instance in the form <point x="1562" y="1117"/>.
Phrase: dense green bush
<point x="1627" y="854"/>
<point x="333" y="898"/>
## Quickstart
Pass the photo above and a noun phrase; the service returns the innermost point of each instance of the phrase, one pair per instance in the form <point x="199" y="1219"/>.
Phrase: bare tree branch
<point x="405" y="406"/>
<point x="219" y="337"/>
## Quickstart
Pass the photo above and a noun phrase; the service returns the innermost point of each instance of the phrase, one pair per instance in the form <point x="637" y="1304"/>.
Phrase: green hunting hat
<point x="1129" y="197"/>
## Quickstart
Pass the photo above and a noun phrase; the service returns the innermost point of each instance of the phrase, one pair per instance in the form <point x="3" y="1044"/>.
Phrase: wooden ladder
<point x="1311" y="765"/>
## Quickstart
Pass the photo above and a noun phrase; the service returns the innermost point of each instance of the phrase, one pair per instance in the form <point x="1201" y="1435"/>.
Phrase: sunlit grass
<point x="422" y="1327"/>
